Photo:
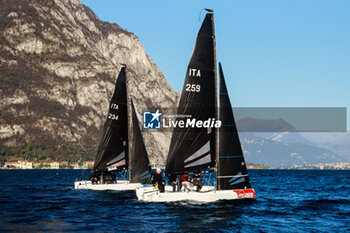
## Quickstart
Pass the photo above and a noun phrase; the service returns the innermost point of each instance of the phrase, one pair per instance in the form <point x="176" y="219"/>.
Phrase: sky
<point x="275" y="53"/>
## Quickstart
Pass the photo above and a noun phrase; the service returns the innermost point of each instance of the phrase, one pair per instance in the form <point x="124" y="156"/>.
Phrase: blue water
<point x="286" y="201"/>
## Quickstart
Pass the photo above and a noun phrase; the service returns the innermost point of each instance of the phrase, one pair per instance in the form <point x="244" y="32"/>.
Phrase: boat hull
<point x="207" y="194"/>
<point x="121" y="185"/>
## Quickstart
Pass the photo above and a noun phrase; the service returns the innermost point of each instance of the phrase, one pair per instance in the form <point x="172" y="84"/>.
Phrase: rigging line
<point x="231" y="176"/>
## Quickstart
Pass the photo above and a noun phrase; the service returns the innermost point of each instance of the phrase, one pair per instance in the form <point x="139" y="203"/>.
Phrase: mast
<point x="216" y="95"/>
<point x="129" y="167"/>
<point x="232" y="171"/>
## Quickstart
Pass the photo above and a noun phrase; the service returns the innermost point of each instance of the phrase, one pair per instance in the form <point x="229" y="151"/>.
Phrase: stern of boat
<point x="81" y="184"/>
<point x="245" y="193"/>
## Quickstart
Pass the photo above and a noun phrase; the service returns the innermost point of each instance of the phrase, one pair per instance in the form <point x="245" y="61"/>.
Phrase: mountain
<point x="338" y="142"/>
<point x="285" y="137"/>
<point x="331" y="138"/>
<point x="58" y="68"/>
<point x="275" y="154"/>
<point x="275" y="143"/>
<point x="250" y="124"/>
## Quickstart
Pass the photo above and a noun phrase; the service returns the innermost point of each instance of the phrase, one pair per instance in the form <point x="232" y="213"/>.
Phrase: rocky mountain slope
<point x="58" y="67"/>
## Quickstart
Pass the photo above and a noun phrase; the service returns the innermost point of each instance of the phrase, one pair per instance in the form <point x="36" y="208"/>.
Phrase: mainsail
<point x="112" y="153"/>
<point x="231" y="170"/>
<point x="140" y="169"/>
<point x="194" y="148"/>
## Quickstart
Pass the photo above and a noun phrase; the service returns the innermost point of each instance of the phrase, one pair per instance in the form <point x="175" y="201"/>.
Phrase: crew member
<point x="158" y="180"/>
<point x="185" y="181"/>
<point x="93" y="177"/>
<point x="102" y="181"/>
<point x="173" y="182"/>
<point x="114" y="178"/>
<point x="197" y="181"/>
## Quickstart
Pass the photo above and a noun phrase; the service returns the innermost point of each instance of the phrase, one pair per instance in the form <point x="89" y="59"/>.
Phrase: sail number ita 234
<point x="193" y="87"/>
<point x="111" y="115"/>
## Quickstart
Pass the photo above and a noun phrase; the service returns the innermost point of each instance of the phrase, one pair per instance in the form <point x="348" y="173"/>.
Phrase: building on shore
<point x="257" y="166"/>
<point x="89" y="164"/>
<point x="320" y="166"/>
<point x="19" y="165"/>
<point x="11" y="164"/>
<point x="25" y="165"/>
<point x="51" y="165"/>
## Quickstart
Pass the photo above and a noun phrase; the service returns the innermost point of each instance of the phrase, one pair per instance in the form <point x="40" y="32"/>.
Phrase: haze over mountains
<point x="274" y="142"/>
<point x="288" y="148"/>
<point x="58" y="67"/>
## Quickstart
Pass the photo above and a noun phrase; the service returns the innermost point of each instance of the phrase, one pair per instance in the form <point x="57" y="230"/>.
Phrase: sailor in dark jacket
<point x="158" y="180"/>
<point x="174" y="182"/>
<point x="197" y="181"/>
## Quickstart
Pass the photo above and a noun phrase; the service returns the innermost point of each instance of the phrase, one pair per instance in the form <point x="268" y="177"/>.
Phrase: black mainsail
<point x="231" y="169"/>
<point x="112" y="153"/>
<point x="140" y="169"/>
<point x="194" y="148"/>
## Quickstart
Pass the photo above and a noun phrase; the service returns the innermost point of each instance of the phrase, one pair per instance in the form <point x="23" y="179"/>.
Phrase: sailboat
<point x="118" y="152"/>
<point x="201" y="149"/>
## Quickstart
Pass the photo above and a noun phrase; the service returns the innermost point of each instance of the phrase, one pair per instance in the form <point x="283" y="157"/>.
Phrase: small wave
<point x="322" y="204"/>
<point x="326" y="201"/>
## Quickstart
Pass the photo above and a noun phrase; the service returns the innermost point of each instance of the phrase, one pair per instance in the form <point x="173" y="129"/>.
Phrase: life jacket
<point x="184" y="177"/>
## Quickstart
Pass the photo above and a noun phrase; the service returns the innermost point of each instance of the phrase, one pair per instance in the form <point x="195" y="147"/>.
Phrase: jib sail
<point x="231" y="170"/>
<point x="140" y="168"/>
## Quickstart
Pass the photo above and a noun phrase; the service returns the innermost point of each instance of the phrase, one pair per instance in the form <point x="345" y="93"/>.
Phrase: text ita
<point x="194" y="72"/>
<point x="114" y="106"/>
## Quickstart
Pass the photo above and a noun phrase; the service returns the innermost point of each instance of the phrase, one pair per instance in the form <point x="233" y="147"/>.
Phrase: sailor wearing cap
<point x="158" y="180"/>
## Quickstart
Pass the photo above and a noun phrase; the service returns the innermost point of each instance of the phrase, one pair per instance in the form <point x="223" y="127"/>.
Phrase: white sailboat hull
<point x="207" y="194"/>
<point x="121" y="185"/>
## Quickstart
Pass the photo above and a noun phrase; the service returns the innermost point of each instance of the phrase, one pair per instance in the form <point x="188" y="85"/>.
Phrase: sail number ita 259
<point x="193" y="87"/>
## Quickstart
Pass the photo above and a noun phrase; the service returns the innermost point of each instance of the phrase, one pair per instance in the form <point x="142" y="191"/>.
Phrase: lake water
<point x="286" y="201"/>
